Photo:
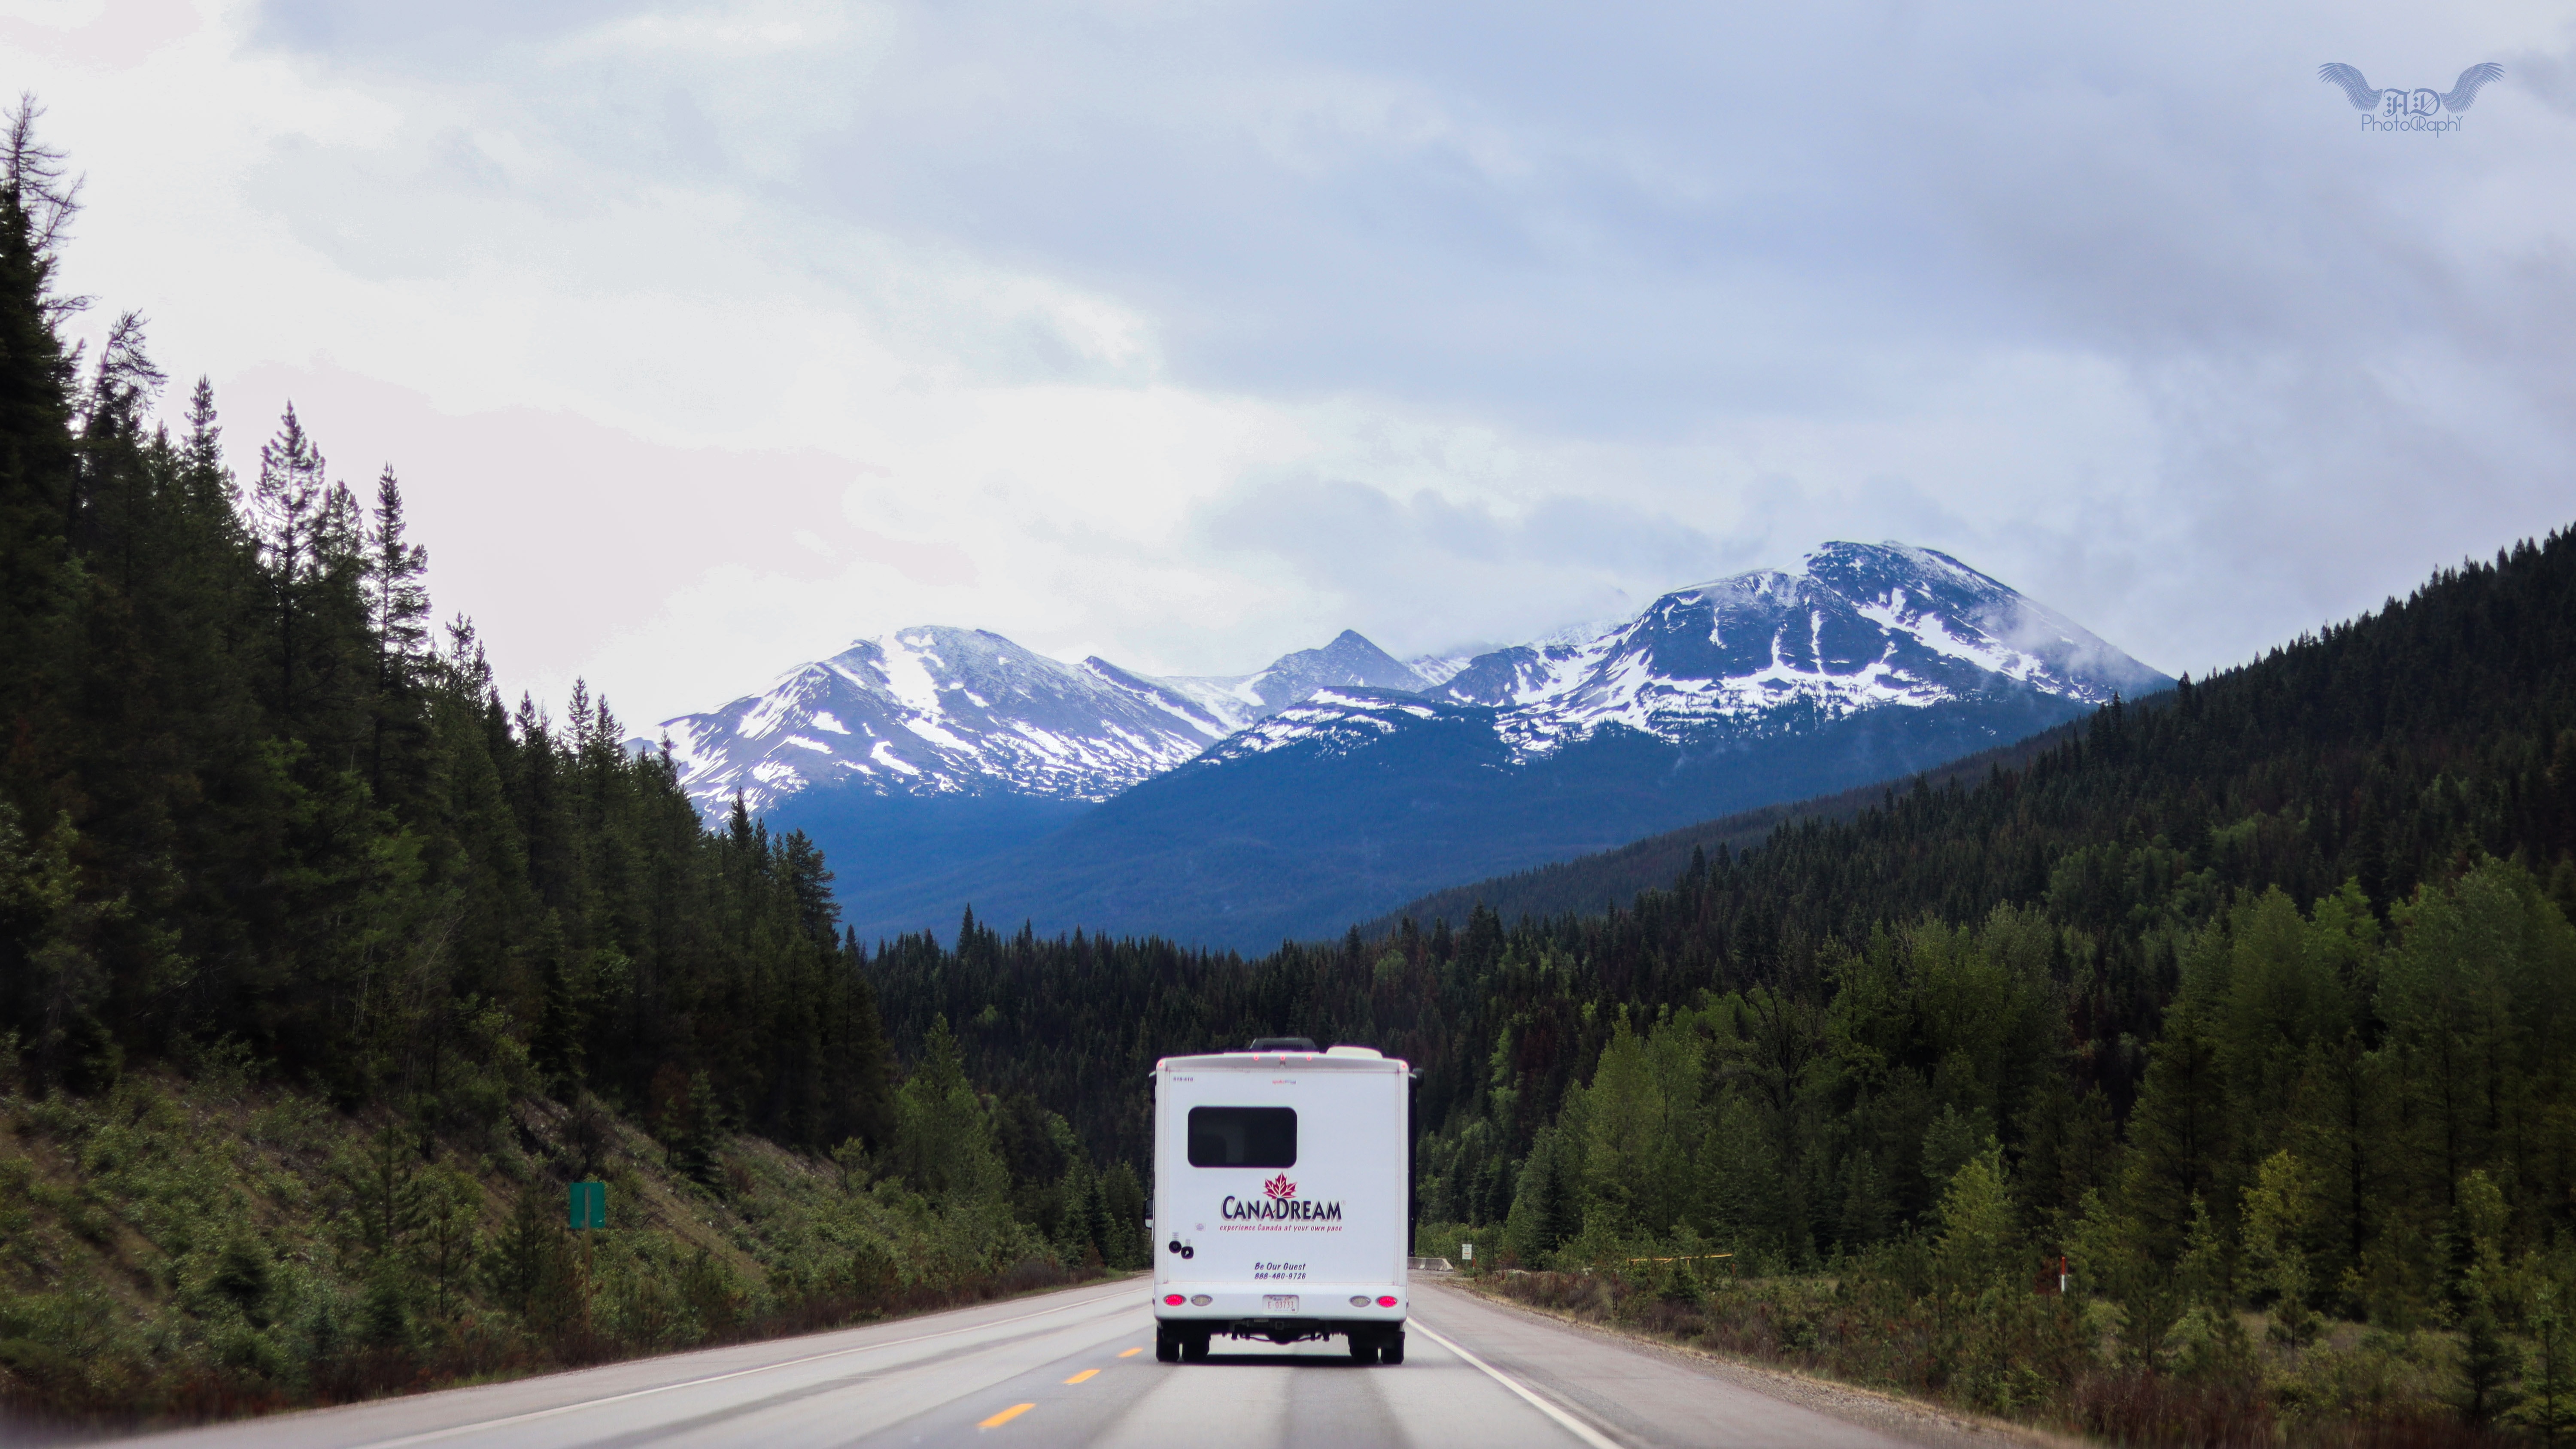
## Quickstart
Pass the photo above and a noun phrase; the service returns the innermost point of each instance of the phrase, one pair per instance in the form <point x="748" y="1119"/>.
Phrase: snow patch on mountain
<point x="1435" y="670"/>
<point x="935" y="710"/>
<point x="1332" y="721"/>
<point x="1349" y="660"/>
<point x="1858" y="627"/>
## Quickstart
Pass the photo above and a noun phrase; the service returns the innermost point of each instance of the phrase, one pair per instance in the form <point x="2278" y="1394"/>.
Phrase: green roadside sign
<point x="589" y="1205"/>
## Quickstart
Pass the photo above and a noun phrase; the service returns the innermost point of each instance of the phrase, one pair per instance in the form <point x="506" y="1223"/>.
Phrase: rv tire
<point x="1167" y="1346"/>
<point x="1194" y="1348"/>
<point x="1390" y="1349"/>
<point x="1364" y="1347"/>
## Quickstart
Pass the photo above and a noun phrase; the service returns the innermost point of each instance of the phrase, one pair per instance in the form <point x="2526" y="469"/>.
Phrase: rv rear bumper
<point x="1211" y="1304"/>
<point x="1281" y="1330"/>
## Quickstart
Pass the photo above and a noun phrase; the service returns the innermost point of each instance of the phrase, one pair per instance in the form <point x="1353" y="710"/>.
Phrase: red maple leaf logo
<point x="1280" y="1186"/>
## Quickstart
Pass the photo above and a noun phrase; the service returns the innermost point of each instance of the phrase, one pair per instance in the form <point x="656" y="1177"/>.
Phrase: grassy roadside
<point x="2049" y="1364"/>
<point x="180" y="1248"/>
<point x="1905" y="1417"/>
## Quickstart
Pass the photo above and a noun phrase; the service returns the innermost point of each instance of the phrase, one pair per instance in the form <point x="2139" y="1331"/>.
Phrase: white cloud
<point x="708" y="336"/>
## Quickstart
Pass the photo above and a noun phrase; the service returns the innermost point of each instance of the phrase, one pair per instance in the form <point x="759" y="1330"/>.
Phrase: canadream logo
<point x="1279" y="1200"/>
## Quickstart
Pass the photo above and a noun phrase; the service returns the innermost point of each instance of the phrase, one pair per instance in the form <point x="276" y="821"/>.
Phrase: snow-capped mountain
<point x="938" y="711"/>
<point x="1348" y="660"/>
<point x="1865" y="663"/>
<point x="1858" y="627"/>
<point x="943" y="767"/>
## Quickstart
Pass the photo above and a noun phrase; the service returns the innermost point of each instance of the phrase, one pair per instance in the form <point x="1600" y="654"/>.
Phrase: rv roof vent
<point x="1371" y="1053"/>
<point x="1283" y="1044"/>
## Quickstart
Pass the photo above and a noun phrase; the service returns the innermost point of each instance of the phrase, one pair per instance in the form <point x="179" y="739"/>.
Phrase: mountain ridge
<point x="1886" y="624"/>
<point x="1612" y="879"/>
<point x="942" y="766"/>
<point x="948" y="710"/>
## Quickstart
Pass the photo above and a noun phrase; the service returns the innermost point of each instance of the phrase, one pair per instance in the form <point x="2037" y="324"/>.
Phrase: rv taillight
<point x="1173" y="1299"/>
<point x="1386" y="1300"/>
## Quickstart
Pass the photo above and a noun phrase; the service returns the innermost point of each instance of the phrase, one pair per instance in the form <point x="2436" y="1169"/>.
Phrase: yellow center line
<point x="1006" y="1416"/>
<point x="1131" y="1353"/>
<point x="1086" y="1373"/>
<point x="428" y="1436"/>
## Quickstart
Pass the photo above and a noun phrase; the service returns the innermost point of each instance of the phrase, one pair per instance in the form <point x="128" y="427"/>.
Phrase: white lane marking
<point x="428" y="1435"/>
<point x="1566" y="1421"/>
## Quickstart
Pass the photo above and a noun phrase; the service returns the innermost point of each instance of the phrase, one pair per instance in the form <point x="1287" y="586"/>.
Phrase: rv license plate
<point x="1279" y="1302"/>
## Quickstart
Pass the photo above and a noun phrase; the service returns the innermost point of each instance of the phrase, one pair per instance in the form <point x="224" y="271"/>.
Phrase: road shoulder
<point x="460" y="1410"/>
<point x="1895" y="1415"/>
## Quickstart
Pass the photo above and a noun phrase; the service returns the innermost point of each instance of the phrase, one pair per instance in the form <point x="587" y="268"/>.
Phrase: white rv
<point x="1280" y="1198"/>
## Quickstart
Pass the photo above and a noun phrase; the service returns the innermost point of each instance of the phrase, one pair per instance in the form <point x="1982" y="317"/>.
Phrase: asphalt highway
<point x="1078" y="1368"/>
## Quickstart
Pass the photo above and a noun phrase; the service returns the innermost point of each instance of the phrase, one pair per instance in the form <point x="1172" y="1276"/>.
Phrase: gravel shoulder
<point x="1913" y="1420"/>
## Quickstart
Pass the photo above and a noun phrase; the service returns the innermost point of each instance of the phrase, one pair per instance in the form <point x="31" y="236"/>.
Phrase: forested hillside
<point x="1614" y="878"/>
<point x="2388" y="754"/>
<point x="259" y="819"/>
<point x="246" y="794"/>
<point x="2254" y="997"/>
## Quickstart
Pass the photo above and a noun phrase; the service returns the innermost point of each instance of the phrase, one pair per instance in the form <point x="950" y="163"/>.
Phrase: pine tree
<point x="2488" y="1362"/>
<point x="2552" y="1375"/>
<point x="2179" y="1133"/>
<point x="209" y="484"/>
<point x="695" y="1154"/>
<point x="36" y="454"/>
<point x="1122" y="1199"/>
<point x="287" y="507"/>
<point x="397" y="608"/>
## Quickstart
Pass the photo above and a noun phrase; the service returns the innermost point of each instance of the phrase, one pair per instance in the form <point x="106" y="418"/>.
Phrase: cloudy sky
<point x="709" y="336"/>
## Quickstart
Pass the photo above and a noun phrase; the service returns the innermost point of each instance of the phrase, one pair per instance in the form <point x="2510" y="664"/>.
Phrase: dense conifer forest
<point x="1606" y="881"/>
<point x="2253" y="997"/>
<point x="270" y="840"/>
<point x="2391" y="762"/>
<point x="247" y="796"/>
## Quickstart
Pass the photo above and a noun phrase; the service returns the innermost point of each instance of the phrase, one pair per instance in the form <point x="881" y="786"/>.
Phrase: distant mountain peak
<point x="942" y="709"/>
<point x="936" y="710"/>
<point x="1855" y="627"/>
<point x="1349" y="660"/>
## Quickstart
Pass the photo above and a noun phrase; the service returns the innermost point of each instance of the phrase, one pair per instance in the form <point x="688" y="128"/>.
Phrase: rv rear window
<point x="1243" y="1137"/>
